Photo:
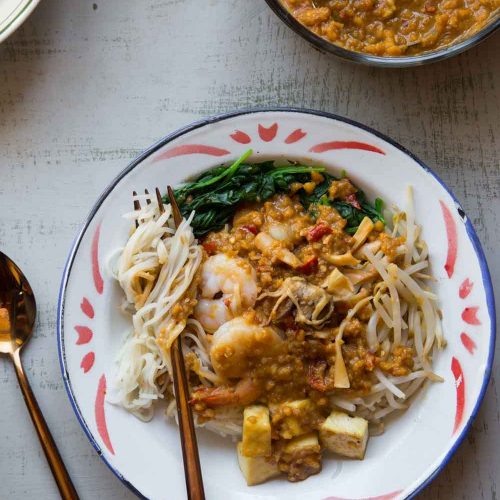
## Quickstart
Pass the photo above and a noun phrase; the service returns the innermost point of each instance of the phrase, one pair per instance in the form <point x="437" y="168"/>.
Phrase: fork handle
<point x="61" y="476"/>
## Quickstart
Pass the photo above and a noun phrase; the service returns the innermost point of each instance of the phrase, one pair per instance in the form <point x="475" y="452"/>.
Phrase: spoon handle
<point x="66" y="488"/>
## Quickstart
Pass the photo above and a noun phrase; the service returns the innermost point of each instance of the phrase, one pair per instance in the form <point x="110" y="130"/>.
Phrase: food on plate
<point x="388" y="28"/>
<point x="258" y="469"/>
<point x="306" y="317"/>
<point x="345" y="435"/>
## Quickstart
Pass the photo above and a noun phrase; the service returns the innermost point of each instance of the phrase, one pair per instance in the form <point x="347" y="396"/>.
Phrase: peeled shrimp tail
<point x="228" y="287"/>
<point x="246" y="391"/>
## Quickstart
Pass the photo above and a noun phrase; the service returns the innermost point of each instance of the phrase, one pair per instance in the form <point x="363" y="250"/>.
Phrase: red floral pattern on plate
<point x="87" y="308"/>
<point x="191" y="149"/>
<point x="334" y="145"/>
<point x="267" y="134"/>
<point x="458" y="374"/>
<point x="84" y="334"/>
<point x="451" y="234"/>
<point x="468" y="343"/>
<point x="100" y="414"/>
<point x="469" y="315"/>
<point x="240" y="137"/>
<point x="296" y="136"/>
<point x="96" y="271"/>
<point x="465" y="288"/>
<point x="387" y="496"/>
<point x="87" y="362"/>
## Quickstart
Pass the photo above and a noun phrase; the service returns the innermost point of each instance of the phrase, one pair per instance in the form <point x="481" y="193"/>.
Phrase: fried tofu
<point x="294" y="417"/>
<point x="302" y="445"/>
<point x="301" y="457"/>
<point x="345" y="435"/>
<point x="256" y="441"/>
<point x="256" y="470"/>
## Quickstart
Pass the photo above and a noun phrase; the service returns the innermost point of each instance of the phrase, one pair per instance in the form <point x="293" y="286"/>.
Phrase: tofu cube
<point x="292" y="418"/>
<point x="256" y="470"/>
<point x="345" y="435"/>
<point x="301" y="457"/>
<point x="302" y="445"/>
<point x="256" y="441"/>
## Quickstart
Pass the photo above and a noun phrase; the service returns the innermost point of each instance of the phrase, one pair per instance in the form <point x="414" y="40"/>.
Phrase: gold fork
<point x="190" y="455"/>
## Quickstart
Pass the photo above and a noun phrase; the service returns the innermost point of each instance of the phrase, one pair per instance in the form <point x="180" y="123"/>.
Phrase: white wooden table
<point x="84" y="87"/>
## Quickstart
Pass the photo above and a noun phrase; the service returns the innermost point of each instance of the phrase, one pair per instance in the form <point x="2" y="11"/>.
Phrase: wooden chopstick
<point x="192" y="468"/>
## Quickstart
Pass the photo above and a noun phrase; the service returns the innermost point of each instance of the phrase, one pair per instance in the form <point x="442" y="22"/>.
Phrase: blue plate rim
<point x="486" y="278"/>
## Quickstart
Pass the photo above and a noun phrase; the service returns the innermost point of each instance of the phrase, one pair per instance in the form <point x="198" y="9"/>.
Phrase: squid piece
<point x="313" y="304"/>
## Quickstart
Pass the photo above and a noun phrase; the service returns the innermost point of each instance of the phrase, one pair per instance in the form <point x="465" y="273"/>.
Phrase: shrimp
<point x="236" y="346"/>
<point x="212" y="313"/>
<point x="245" y="392"/>
<point x="228" y="288"/>
<point x="239" y="343"/>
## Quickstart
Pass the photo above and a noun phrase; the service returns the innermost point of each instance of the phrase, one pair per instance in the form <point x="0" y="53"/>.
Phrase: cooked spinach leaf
<point x="216" y="194"/>
<point x="354" y="216"/>
<point x="348" y="211"/>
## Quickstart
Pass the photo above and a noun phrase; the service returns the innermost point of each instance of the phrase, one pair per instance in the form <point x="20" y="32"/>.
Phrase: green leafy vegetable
<point x="216" y="194"/>
<point x="354" y="216"/>
<point x="347" y="210"/>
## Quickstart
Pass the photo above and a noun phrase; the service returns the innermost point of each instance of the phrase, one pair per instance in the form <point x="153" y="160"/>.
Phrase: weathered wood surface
<point x="85" y="86"/>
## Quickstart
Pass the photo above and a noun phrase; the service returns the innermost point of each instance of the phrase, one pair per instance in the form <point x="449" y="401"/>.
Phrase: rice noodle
<point x="155" y="269"/>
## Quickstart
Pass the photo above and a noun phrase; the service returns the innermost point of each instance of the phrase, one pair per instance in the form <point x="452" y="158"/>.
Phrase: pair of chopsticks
<point x="192" y="468"/>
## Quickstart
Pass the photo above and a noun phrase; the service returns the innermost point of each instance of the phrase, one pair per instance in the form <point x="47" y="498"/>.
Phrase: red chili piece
<point x="309" y="267"/>
<point x="251" y="228"/>
<point x="210" y="247"/>
<point x="353" y="200"/>
<point x="318" y="231"/>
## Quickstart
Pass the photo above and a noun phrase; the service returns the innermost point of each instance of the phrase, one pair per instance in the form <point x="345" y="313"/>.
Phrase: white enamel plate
<point x="12" y="14"/>
<point x="415" y="446"/>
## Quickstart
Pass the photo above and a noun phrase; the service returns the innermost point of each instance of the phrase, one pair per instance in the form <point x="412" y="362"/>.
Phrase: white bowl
<point x="415" y="446"/>
<point x="13" y="13"/>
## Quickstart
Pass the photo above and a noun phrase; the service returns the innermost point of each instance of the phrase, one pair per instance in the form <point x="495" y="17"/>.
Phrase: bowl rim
<point x="19" y="18"/>
<point x="386" y="62"/>
<point x="471" y="233"/>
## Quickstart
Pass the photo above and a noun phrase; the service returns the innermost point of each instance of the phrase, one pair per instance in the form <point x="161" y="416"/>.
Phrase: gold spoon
<point x="17" y="318"/>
